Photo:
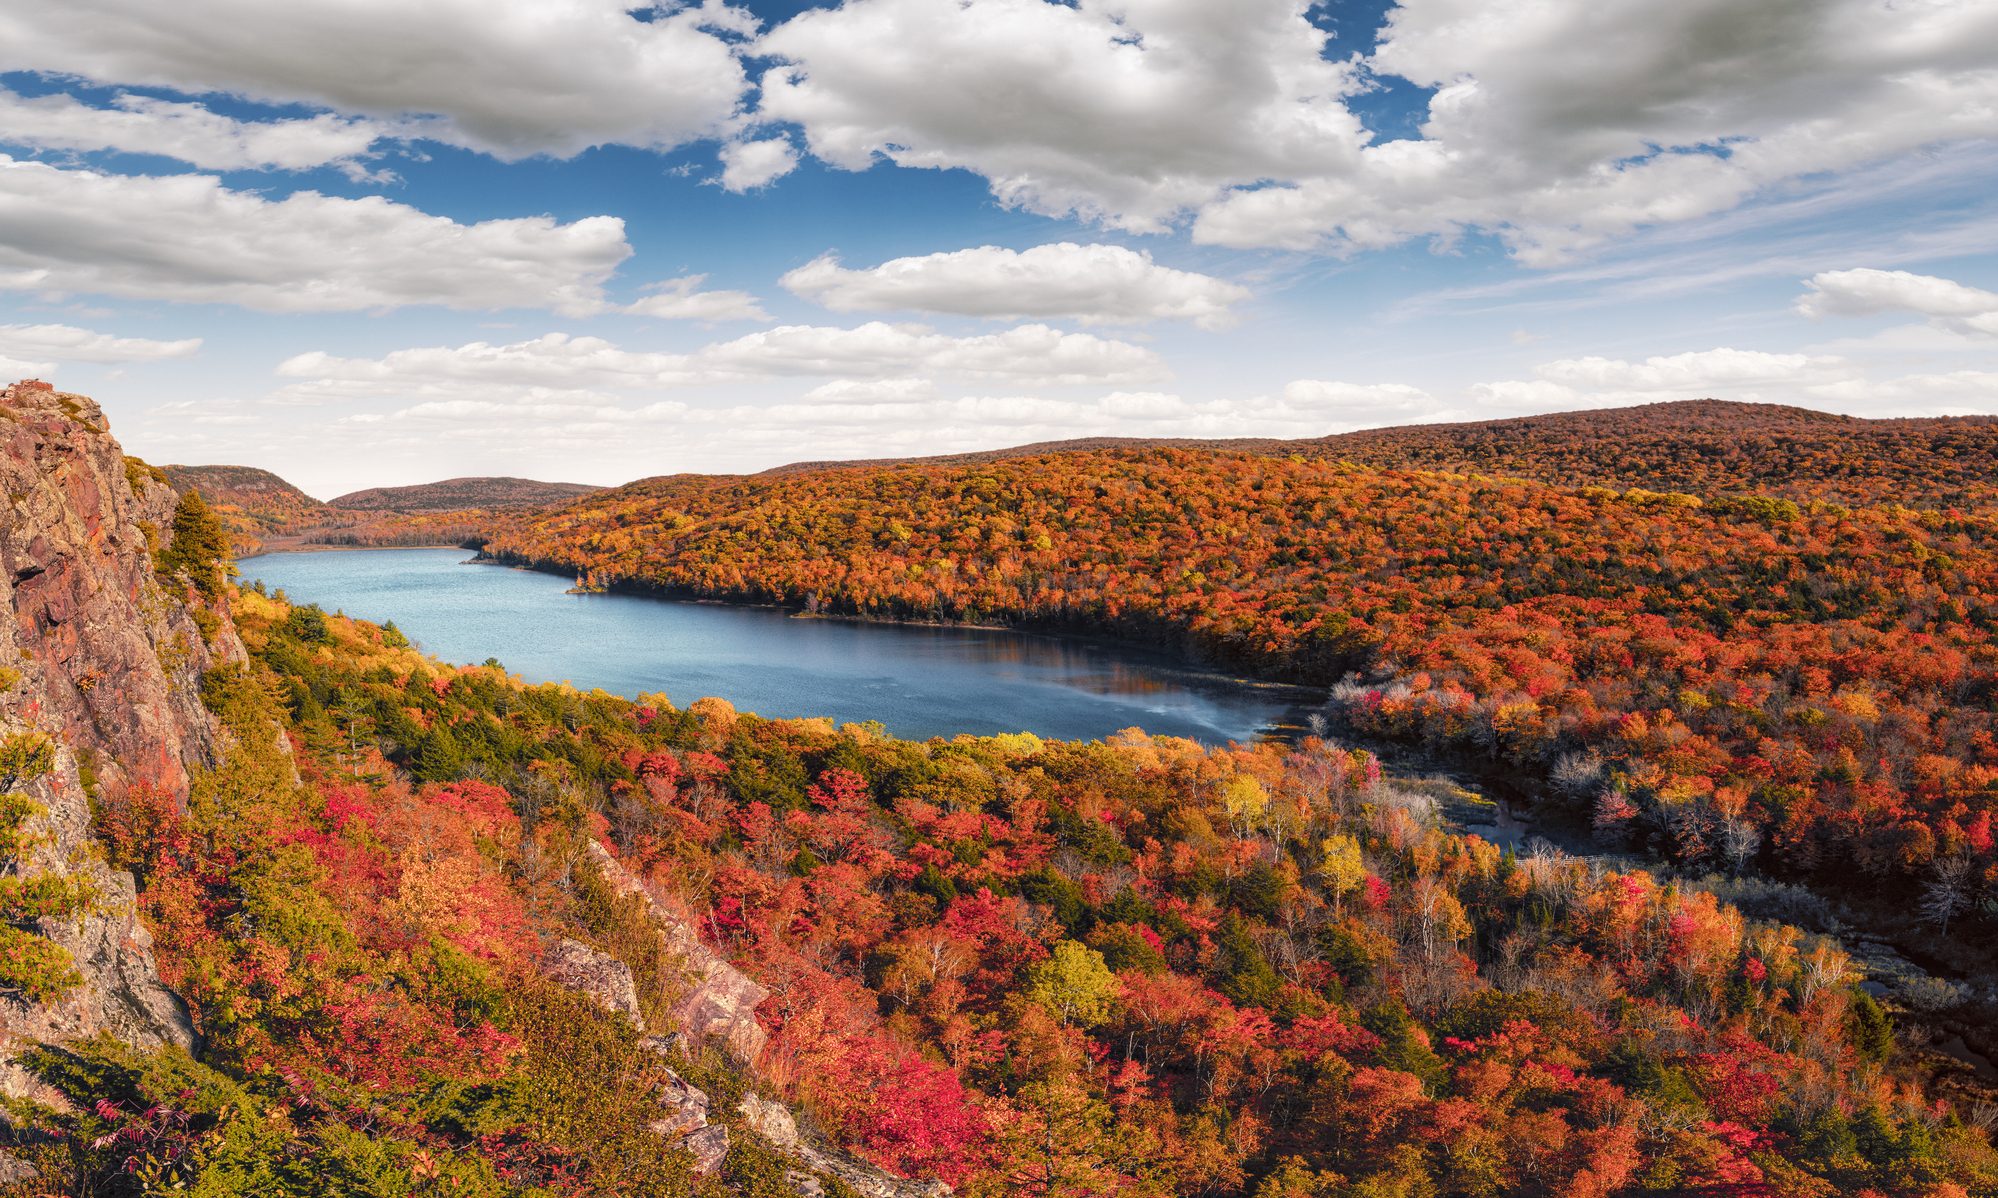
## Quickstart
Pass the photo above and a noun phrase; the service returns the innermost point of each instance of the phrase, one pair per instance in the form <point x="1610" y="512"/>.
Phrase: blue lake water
<point x="918" y="682"/>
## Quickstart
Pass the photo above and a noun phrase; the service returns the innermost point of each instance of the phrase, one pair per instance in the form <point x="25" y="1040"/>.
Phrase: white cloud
<point x="1556" y="123"/>
<point x="1951" y="393"/>
<point x="188" y="238"/>
<point x="512" y="79"/>
<point x="872" y="391"/>
<point x="1097" y="284"/>
<point x="1710" y="372"/>
<point x="187" y="132"/>
<point x="1565" y="123"/>
<point x="682" y="299"/>
<point x="1030" y="353"/>
<point x="1821" y="381"/>
<point x="1127" y="110"/>
<point x="1951" y="305"/>
<point x="748" y="165"/>
<point x="1349" y="402"/>
<point x="66" y="343"/>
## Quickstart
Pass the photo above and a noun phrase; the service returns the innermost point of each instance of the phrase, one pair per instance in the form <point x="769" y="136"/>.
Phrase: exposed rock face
<point x="599" y="977"/>
<point x="112" y="662"/>
<point x="775" y="1123"/>
<point x="719" y="1005"/>
<point x="107" y="663"/>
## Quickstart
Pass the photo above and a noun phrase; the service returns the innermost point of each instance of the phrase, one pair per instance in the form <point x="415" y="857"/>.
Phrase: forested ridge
<point x="1711" y="447"/>
<point x="1706" y="446"/>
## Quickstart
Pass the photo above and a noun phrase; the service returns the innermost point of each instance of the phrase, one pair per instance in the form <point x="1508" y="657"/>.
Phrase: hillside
<point x="263" y="512"/>
<point x="254" y="505"/>
<point x="1701" y="447"/>
<point x="462" y="494"/>
<point x="1708" y="447"/>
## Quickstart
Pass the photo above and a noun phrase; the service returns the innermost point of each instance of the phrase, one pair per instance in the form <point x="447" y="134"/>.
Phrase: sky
<point x="375" y="242"/>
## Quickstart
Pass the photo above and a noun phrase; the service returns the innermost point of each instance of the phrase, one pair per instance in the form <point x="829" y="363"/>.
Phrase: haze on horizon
<point x="361" y="243"/>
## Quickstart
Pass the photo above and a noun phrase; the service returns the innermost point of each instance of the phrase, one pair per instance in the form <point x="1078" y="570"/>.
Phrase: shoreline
<point x="1160" y="655"/>
<point x="269" y="548"/>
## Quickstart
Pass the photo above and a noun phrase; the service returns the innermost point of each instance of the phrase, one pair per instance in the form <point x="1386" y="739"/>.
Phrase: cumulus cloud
<point x="188" y="238"/>
<point x="66" y="343"/>
<point x="748" y="165"/>
<point x="1130" y="111"/>
<point x="1030" y="353"/>
<point x="187" y="132"/>
<point x="1949" y="304"/>
<point x="1715" y="371"/>
<point x="513" y="79"/>
<point x="1564" y="124"/>
<point x="683" y="299"/>
<point x="1097" y="284"/>
<point x="872" y="391"/>
<point x="1555" y="123"/>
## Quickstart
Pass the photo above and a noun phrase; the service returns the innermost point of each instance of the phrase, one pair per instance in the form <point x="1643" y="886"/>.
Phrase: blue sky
<point x="363" y="242"/>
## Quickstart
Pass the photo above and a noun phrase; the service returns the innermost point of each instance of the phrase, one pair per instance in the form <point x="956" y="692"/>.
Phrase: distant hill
<point x="1700" y="447"/>
<point x="245" y="486"/>
<point x="254" y="505"/>
<point x="462" y="494"/>
<point x="264" y="512"/>
<point x="1706" y="447"/>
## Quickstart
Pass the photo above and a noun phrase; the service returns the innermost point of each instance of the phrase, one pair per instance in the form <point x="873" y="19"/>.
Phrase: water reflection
<point x="916" y="681"/>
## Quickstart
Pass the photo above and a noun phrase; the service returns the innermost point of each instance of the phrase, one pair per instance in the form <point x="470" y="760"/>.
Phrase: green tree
<point x="1074" y="985"/>
<point x="199" y="551"/>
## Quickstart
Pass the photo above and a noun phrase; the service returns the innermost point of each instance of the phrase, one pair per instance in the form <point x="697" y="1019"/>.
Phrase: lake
<point x="916" y="681"/>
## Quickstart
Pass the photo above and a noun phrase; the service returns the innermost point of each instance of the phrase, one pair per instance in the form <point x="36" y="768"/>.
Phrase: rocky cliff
<point x="102" y="663"/>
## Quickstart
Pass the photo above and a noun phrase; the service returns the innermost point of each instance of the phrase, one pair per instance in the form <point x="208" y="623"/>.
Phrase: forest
<point x="1018" y="967"/>
<point x="1728" y="681"/>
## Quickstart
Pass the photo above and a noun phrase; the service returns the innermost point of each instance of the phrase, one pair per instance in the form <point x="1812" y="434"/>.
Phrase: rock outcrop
<point x="111" y="661"/>
<point x="775" y="1123"/>
<point x="684" y="1111"/>
<point x="97" y="655"/>
<point x="599" y="977"/>
<point x="719" y="1003"/>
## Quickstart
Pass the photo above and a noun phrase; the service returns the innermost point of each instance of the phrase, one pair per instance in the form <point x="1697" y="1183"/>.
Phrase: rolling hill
<point x="1700" y="447"/>
<point x="462" y="494"/>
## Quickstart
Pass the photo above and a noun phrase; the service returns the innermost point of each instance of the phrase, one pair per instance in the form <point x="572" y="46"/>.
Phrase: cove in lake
<point x="917" y="681"/>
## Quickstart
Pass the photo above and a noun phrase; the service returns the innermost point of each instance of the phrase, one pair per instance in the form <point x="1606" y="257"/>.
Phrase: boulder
<point x="599" y="977"/>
